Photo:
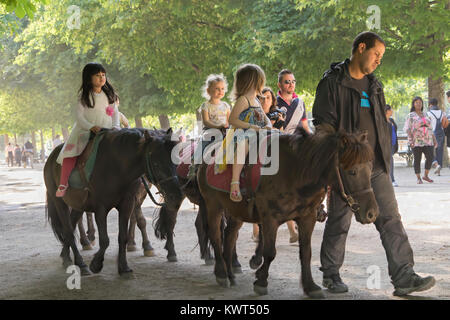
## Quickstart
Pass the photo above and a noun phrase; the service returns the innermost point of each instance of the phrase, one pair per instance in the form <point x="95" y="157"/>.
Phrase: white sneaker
<point x="434" y="164"/>
<point x="394" y="184"/>
<point x="438" y="170"/>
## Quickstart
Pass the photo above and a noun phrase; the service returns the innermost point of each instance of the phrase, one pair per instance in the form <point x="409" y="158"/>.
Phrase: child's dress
<point x="103" y="115"/>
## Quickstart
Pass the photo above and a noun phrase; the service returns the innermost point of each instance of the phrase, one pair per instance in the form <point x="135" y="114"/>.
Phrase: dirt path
<point x="31" y="267"/>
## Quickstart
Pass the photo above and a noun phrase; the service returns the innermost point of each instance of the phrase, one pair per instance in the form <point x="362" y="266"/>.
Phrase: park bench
<point x="404" y="150"/>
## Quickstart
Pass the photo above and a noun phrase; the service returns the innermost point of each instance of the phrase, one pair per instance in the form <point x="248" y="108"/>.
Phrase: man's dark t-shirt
<point x="366" y="112"/>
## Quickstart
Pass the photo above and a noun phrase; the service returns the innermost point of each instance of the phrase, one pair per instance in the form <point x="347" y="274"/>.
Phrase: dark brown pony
<point x="87" y="239"/>
<point x="123" y="157"/>
<point x="307" y="164"/>
<point x="166" y="219"/>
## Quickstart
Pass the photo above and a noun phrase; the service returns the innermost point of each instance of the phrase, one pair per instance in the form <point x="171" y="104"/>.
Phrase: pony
<point x="87" y="239"/>
<point x="307" y="165"/>
<point x="123" y="157"/>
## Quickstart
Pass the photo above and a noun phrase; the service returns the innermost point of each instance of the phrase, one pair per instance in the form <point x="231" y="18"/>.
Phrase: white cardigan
<point x="103" y="114"/>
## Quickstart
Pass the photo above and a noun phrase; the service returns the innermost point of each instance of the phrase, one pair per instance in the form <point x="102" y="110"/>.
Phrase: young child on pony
<point x="97" y="108"/>
<point x="214" y="111"/>
<point x="247" y="113"/>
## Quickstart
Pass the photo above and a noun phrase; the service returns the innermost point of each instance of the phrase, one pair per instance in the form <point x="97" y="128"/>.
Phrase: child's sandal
<point x="61" y="191"/>
<point x="235" y="195"/>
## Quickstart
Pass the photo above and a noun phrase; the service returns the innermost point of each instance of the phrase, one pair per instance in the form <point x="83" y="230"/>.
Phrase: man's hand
<point x="96" y="129"/>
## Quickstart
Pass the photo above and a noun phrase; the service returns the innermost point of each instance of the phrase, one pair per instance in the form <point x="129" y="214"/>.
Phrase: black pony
<point x="123" y="157"/>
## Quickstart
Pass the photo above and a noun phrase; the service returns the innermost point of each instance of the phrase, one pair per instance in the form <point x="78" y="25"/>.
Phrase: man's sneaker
<point x="434" y="164"/>
<point x="438" y="170"/>
<point x="394" y="184"/>
<point x="334" y="284"/>
<point x="414" y="283"/>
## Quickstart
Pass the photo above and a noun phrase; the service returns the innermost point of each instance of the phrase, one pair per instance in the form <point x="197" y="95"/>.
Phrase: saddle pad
<point x="222" y="181"/>
<point x="75" y="179"/>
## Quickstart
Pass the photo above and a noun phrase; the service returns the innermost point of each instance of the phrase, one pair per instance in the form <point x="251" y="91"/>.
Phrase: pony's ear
<point x="145" y="138"/>
<point x="364" y="136"/>
<point x="169" y="131"/>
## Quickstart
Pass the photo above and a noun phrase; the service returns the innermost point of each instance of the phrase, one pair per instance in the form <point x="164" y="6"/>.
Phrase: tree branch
<point x="214" y="25"/>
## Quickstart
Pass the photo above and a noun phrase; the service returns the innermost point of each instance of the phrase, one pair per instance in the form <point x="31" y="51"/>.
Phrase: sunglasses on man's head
<point x="289" y="81"/>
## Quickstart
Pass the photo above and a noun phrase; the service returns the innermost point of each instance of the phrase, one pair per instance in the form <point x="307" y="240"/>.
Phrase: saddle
<point x="79" y="187"/>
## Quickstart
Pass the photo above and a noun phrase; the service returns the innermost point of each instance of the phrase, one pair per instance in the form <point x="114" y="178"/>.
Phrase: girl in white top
<point x="97" y="109"/>
<point x="215" y="112"/>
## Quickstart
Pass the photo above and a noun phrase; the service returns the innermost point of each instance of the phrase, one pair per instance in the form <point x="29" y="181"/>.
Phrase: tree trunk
<point x="65" y="133"/>
<point x="164" y="121"/>
<point x="42" y="157"/>
<point x="436" y="90"/>
<point x="15" y="138"/>
<point x="138" y="121"/>
<point x="33" y="141"/>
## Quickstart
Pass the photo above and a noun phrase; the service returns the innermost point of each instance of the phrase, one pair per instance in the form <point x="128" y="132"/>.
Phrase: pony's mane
<point x="132" y="136"/>
<point x="316" y="154"/>
<point x="353" y="151"/>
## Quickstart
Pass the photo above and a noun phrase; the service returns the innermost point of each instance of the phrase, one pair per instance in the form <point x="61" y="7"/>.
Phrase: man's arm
<point x="324" y="108"/>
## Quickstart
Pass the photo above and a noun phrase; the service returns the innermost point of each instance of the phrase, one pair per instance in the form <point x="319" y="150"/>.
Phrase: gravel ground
<point x="31" y="267"/>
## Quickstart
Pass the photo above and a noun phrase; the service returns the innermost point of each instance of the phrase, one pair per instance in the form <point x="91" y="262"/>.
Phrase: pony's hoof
<point x="255" y="262"/>
<point x="210" y="262"/>
<point x="131" y="248"/>
<point x="172" y="258"/>
<point x="223" y="282"/>
<point x="85" y="271"/>
<point x="237" y="270"/>
<point x="316" y="294"/>
<point x="67" y="263"/>
<point x="87" y="247"/>
<point x="233" y="282"/>
<point x="96" y="268"/>
<point x="92" y="242"/>
<point x="262" y="291"/>
<point x="149" y="253"/>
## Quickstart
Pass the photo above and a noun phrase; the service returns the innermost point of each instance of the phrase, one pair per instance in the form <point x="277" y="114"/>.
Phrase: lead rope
<point x="150" y="176"/>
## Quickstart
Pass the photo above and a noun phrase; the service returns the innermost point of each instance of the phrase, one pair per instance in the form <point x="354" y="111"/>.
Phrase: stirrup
<point x="61" y="191"/>
<point x="235" y="195"/>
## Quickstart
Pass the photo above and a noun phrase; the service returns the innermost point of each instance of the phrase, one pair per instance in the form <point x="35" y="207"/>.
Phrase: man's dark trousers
<point x="393" y="236"/>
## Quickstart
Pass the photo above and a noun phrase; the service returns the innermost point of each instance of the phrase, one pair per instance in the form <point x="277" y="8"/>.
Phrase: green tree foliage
<point x="158" y="53"/>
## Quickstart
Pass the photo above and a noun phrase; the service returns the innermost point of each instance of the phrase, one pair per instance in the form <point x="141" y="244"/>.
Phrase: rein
<point x="354" y="205"/>
<point x="151" y="177"/>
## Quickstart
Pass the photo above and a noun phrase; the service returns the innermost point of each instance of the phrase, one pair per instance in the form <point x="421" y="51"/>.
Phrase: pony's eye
<point x="352" y="172"/>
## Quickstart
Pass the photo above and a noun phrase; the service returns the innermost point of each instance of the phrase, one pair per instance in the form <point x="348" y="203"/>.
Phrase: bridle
<point x="149" y="173"/>
<point x="348" y="198"/>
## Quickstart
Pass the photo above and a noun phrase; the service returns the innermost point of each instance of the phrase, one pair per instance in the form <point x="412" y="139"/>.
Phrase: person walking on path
<point x="420" y="138"/>
<point x="9" y="150"/>
<point x="18" y="155"/>
<point x="349" y="97"/>
<point x="439" y="122"/>
<point x="296" y="113"/>
<point x="394" y="140"/>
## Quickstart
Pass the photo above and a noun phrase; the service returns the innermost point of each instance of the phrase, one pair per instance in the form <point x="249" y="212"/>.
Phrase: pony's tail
<point x="52" y="215"/>
<point x="161" y="222"/>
